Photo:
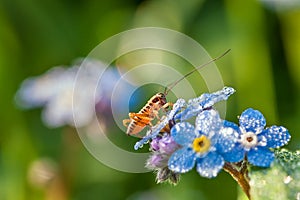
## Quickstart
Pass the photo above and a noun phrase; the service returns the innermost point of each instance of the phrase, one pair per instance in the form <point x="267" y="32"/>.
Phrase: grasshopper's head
<point x="160" y="98"/>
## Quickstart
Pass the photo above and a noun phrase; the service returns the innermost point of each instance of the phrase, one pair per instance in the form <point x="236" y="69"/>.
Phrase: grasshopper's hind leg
<point x="126" y="122"/>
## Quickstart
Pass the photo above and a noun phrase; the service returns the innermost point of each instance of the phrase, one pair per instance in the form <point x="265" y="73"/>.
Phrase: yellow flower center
<point x="201" y="144"/>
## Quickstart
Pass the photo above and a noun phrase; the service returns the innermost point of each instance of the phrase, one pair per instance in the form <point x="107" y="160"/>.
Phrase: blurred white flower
<point x="281" y="5"/>
<point x="69" y="95"/>
<point x="41" y="172"/>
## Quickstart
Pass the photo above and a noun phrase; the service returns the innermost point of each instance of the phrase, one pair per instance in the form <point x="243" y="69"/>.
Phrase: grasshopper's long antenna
<point x="170" y="86"/>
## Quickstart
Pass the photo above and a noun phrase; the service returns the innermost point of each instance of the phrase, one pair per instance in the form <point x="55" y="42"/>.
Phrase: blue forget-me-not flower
<point x="202" y="145"/>
<point x="254" y="140"/>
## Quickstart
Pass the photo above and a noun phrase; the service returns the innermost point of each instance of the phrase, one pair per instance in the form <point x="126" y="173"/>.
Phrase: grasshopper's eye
<point x="161" y="95"/>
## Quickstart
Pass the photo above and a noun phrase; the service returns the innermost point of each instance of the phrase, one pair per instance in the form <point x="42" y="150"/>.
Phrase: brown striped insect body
<point x="138" y="121"/>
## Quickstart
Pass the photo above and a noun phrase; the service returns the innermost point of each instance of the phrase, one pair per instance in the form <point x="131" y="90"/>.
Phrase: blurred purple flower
<point x="163" y="147"/>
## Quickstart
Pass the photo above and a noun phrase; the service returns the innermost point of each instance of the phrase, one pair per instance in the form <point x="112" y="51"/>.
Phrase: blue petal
<point x="231" y="125"/>
<point x="235" y="155"/>
<point x="210" y="165"/>
<point x="276" y="136"/>
<point x="182" y="160"/>
<point x="205" y="101"/>
<point x="252" y="120"/>
<point x="261" y="157"/>
<point x="208" y="100"/>
<point x="227" y="138"/>
<point x="208" y="122"/>
<point x="183" y="133"/>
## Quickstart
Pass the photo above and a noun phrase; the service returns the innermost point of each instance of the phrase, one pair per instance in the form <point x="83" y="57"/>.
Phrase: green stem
<point x="239" y="172"/>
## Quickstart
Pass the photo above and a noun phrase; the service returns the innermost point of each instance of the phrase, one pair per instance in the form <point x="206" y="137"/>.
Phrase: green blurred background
<point x="263" y="66"/>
